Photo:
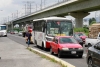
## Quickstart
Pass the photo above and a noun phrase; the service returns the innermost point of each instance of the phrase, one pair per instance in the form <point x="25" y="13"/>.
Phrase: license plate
<point x="73" y="52"/>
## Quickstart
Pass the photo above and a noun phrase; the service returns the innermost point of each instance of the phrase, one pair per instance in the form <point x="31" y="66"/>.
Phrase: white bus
<point x="46" y="28"/>
<point x="3" y="30"/>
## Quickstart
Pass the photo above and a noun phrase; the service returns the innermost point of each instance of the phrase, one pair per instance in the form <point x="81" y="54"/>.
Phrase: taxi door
<point x="56" y="46"/>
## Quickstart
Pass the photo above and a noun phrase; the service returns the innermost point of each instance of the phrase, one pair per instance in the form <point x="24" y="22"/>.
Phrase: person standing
<point x="28" y="37"/>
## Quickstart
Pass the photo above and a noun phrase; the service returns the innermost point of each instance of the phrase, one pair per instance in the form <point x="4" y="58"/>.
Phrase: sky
<point x="10" y="8"/>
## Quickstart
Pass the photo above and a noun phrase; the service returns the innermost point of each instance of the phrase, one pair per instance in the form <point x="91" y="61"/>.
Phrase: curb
<point x="66" y="64"/>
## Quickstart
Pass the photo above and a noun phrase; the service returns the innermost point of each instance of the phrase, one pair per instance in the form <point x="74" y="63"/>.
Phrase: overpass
<point x="76" y="8"/>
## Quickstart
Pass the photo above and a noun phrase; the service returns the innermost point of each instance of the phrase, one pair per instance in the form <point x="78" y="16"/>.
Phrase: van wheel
<point x="51" y="52"/>
<point x="90" y="63"/>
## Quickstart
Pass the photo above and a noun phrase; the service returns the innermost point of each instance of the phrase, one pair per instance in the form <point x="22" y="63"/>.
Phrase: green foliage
<point x="92" y="20"/>
<point x="17" y="29"/>
<point x="84" y="29"/>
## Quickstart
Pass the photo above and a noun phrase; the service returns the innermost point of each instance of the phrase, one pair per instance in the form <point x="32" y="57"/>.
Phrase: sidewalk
<point x="16" y="55"/>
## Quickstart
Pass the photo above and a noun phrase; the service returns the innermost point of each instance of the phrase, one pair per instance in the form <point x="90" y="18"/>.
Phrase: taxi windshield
<point x="63" y="40"/>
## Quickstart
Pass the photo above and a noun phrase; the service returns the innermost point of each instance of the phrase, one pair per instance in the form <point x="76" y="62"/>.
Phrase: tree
<point x="92" y="20"/>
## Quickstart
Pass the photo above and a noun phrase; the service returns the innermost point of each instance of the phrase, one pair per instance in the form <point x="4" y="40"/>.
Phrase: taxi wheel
<point x="59" y="54"/>
<point x="51" y="51"/>
<point x="90" y="63"/>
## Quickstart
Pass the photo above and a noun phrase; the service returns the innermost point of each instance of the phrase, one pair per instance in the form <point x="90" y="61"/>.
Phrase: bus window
<point x="2" y="27"/>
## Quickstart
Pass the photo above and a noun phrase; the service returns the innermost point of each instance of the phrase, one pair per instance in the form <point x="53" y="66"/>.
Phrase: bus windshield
<point x="2" y="27"/>
<point x="60" y="28"/>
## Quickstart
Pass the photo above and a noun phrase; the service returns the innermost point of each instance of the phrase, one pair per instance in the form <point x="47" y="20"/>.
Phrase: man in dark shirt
<point x="28" y="35"/>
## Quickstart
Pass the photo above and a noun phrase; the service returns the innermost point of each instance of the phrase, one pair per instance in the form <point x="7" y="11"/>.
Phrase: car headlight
<point x="80" y="48"/>
<point x="65" y="48"/>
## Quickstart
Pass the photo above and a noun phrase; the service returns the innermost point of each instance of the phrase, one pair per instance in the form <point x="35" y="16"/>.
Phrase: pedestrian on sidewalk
<point x="28" y="37"/>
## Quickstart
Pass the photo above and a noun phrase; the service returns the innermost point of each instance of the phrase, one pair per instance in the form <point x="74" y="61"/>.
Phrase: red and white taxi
<point x="66" y="45"/>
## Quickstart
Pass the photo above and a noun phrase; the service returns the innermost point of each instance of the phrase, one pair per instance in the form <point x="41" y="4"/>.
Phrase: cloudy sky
<point x="10" y="8"/>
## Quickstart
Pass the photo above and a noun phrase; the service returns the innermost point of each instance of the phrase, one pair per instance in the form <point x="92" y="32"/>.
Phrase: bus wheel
<point x="5" y="35"/>
<point x="36" y="43"/>
<point x="43" y="47"/>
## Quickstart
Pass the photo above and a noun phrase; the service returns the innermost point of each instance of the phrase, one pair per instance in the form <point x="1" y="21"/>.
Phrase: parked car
<point x="12" y="32"/>
<point x="20" y="33"/>
<point x="16" y="32"/>
<point x="78" y="39"/>
<point x="91" y="41"/>
<point x="66" y="45"/>
<point x="81" y="35"/>
<point x="93" y="56"/>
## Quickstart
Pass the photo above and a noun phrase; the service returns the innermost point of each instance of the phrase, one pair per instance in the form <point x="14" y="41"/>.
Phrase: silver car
<point x="20" y="33"/>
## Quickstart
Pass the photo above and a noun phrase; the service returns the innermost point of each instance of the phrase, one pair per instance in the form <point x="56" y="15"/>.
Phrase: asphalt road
<point x="78" y="62"/>
<point x="14" y="54"/>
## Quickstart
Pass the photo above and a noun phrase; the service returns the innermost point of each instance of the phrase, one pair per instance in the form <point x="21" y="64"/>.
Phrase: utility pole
<point x="12" y="16"/>
<point x="25" y="9"/>
<point x="28" y="6"/>
<point x="17" y="13"/>
<point x="44" y="3"/>
<point x="8" y="18"/>
<point x="41" y="5"/>
<point x="58" y="1"/>
<point x="36" y="6"/>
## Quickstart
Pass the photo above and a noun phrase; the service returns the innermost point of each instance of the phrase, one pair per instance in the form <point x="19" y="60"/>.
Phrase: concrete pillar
<point x="20" y="26"/>
<point x="23" y="24"/>
<point x="7" y="27"/>
<point x="12" y="26"/>
<point x="79" y="18"/>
